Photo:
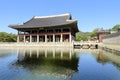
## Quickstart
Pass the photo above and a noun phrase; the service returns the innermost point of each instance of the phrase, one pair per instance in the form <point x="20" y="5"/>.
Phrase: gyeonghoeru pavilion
<point x="55" y="28"/>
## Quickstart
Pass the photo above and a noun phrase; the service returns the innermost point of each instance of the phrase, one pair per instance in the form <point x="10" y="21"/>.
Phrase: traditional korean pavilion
<point x="55" y="28"/>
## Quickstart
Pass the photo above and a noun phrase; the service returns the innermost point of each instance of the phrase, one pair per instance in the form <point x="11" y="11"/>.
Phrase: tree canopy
<point x="82" y="36"/>
<point x="116" y="27"/>
<point x="7" y="37"/>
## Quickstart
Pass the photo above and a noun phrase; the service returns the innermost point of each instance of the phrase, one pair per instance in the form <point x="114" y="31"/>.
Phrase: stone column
<point x="18" y="39"/>
<point x="24" y="38"/>
<point x="61" y="38"/>
<point x="45" y="37"/>
<point x="70" y="37"/>
<point x="53" y="37"/>
<point x="30" y="38"/>
<point x="37" y="38"/>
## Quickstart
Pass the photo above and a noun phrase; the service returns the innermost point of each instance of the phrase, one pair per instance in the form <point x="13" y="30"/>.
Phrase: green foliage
<point x="116" y="27"/>
<point x="6" y="37"/>
<point x="94" y="33"/>
<point x="85" y="36"/>
<point x="82" y="36"/>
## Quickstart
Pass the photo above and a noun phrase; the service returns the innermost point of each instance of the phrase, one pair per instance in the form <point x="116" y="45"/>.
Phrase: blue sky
<point x="90" y="14"/>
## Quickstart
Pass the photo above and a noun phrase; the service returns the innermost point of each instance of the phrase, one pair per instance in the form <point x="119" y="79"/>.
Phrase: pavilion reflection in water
<point x="60" y="53"/>
<point x="68" y="63"/>
<point x="54" y="61"/>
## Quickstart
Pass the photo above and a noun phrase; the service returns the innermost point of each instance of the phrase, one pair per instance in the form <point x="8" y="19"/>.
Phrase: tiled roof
<point x="112" y="35"/>
<point x="46" y="21"/>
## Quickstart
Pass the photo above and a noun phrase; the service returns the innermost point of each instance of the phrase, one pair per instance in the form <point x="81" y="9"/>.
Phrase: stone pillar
<point x="18" y="39"/>
<point x="61" y="38"/>
<point x="45" y="37"/>
<point x="53" y="37"/>
<point x="37" y="38"/>
<point x="70" y="37"/>
<point x="30" y="38"/>
<point x="24" y="39"/>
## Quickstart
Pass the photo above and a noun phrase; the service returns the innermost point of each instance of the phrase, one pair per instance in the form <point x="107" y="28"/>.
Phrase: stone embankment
<point x="113" y="48"/>
<point x="50" y="44"/>
<point x="75" y="45"/>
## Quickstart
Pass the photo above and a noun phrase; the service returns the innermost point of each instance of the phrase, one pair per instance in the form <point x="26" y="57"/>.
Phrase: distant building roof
<point x="47" y="21"/>
<point x="112" y="35"/>
<point x="101" y="30"/>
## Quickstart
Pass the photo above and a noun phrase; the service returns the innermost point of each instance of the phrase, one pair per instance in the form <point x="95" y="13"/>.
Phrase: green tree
<point x="78" y="37"/>
<point x="94" y="33"/>
<point x="82" y="36"/>
<point x="7" y="37"/>
<point x="116" y="27"/>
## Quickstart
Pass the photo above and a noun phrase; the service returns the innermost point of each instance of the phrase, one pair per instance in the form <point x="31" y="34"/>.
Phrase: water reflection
<point x="45" y="53"/>
<point x="99" y="65"/>
<point x="58" y="64"/>
<point x="6" y="52"/>
<point x="106" y="57"/>
<point x="52" y="61"/>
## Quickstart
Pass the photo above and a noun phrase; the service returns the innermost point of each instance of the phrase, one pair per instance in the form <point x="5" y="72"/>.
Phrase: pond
<point x="58" y="64"/>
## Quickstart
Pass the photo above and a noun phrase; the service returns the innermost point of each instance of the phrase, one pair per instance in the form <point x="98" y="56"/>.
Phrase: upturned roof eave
<point x="17" y="26"/>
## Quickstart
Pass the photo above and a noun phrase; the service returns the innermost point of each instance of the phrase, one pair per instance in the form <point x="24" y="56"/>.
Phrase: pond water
<point x="58" y="64"/>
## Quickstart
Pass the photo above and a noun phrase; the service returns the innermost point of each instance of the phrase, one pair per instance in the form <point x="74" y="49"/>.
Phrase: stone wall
<point x="35" y="44"/>
<point x="112" y="38"/>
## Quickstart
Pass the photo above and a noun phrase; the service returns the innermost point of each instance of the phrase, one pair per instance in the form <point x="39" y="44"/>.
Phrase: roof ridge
<point x="66" y="14"/>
